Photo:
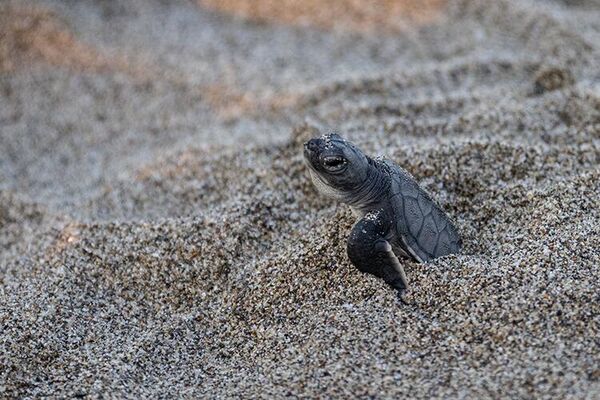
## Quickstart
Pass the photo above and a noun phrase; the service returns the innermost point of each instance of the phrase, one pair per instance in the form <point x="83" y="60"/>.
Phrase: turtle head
<point x="337" y="167"/>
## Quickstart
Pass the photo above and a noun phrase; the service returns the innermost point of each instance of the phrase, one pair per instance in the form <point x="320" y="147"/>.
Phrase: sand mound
<point x="163" y="239"/>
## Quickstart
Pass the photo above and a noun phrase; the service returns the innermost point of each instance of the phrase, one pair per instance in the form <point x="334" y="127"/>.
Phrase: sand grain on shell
<point x="162" y="238"/>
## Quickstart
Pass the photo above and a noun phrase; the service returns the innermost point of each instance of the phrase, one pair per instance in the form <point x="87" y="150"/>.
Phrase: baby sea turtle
<point x="397" y="217"/>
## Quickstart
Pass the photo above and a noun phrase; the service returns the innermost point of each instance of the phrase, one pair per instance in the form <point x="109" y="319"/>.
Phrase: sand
<point x="159" y="235"/>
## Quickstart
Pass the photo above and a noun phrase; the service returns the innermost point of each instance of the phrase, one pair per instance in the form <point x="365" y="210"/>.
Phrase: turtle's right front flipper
<point x="370" y="252"/>
<point x="391" y="269"/>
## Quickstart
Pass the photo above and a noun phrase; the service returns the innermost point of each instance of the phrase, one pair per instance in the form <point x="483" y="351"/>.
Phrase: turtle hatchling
<point x="397" y="218"/>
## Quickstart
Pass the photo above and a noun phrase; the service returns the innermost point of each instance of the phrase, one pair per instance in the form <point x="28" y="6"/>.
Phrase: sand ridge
<point x="377" y="16"/>
<point x="33" y="34"/>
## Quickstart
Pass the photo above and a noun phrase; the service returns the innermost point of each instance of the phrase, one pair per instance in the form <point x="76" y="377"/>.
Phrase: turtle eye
<point x="333" y="162"/>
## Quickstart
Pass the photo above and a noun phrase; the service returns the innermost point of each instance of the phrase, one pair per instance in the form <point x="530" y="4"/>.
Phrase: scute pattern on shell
<point x="420" y="221"/>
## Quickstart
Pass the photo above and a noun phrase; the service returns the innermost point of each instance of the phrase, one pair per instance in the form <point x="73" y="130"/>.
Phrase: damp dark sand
<point x="159" y="236"/>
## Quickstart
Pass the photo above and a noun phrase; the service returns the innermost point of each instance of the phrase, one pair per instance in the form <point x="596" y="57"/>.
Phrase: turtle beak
<point x="313" y="145"/>
<point x="312" y="149"/>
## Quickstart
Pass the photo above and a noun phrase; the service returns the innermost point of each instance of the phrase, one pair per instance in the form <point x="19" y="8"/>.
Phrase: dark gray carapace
<point x="397" y="217"/>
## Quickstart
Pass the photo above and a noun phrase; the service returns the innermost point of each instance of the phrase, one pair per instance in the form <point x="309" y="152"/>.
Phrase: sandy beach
<point x="160" y="236"/>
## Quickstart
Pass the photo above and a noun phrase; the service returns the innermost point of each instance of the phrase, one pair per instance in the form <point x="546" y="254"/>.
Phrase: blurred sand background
<point x="159" y="236"/>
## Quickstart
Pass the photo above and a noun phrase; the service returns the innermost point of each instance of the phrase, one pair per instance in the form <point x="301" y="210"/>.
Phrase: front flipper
<point x="370" y="252"/>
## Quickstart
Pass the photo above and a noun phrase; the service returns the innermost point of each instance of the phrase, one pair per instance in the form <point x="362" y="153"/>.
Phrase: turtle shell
<point x="424" y="228"/>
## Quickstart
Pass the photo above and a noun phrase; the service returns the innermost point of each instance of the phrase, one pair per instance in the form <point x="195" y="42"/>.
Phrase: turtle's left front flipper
<point x="369" y="251"/>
